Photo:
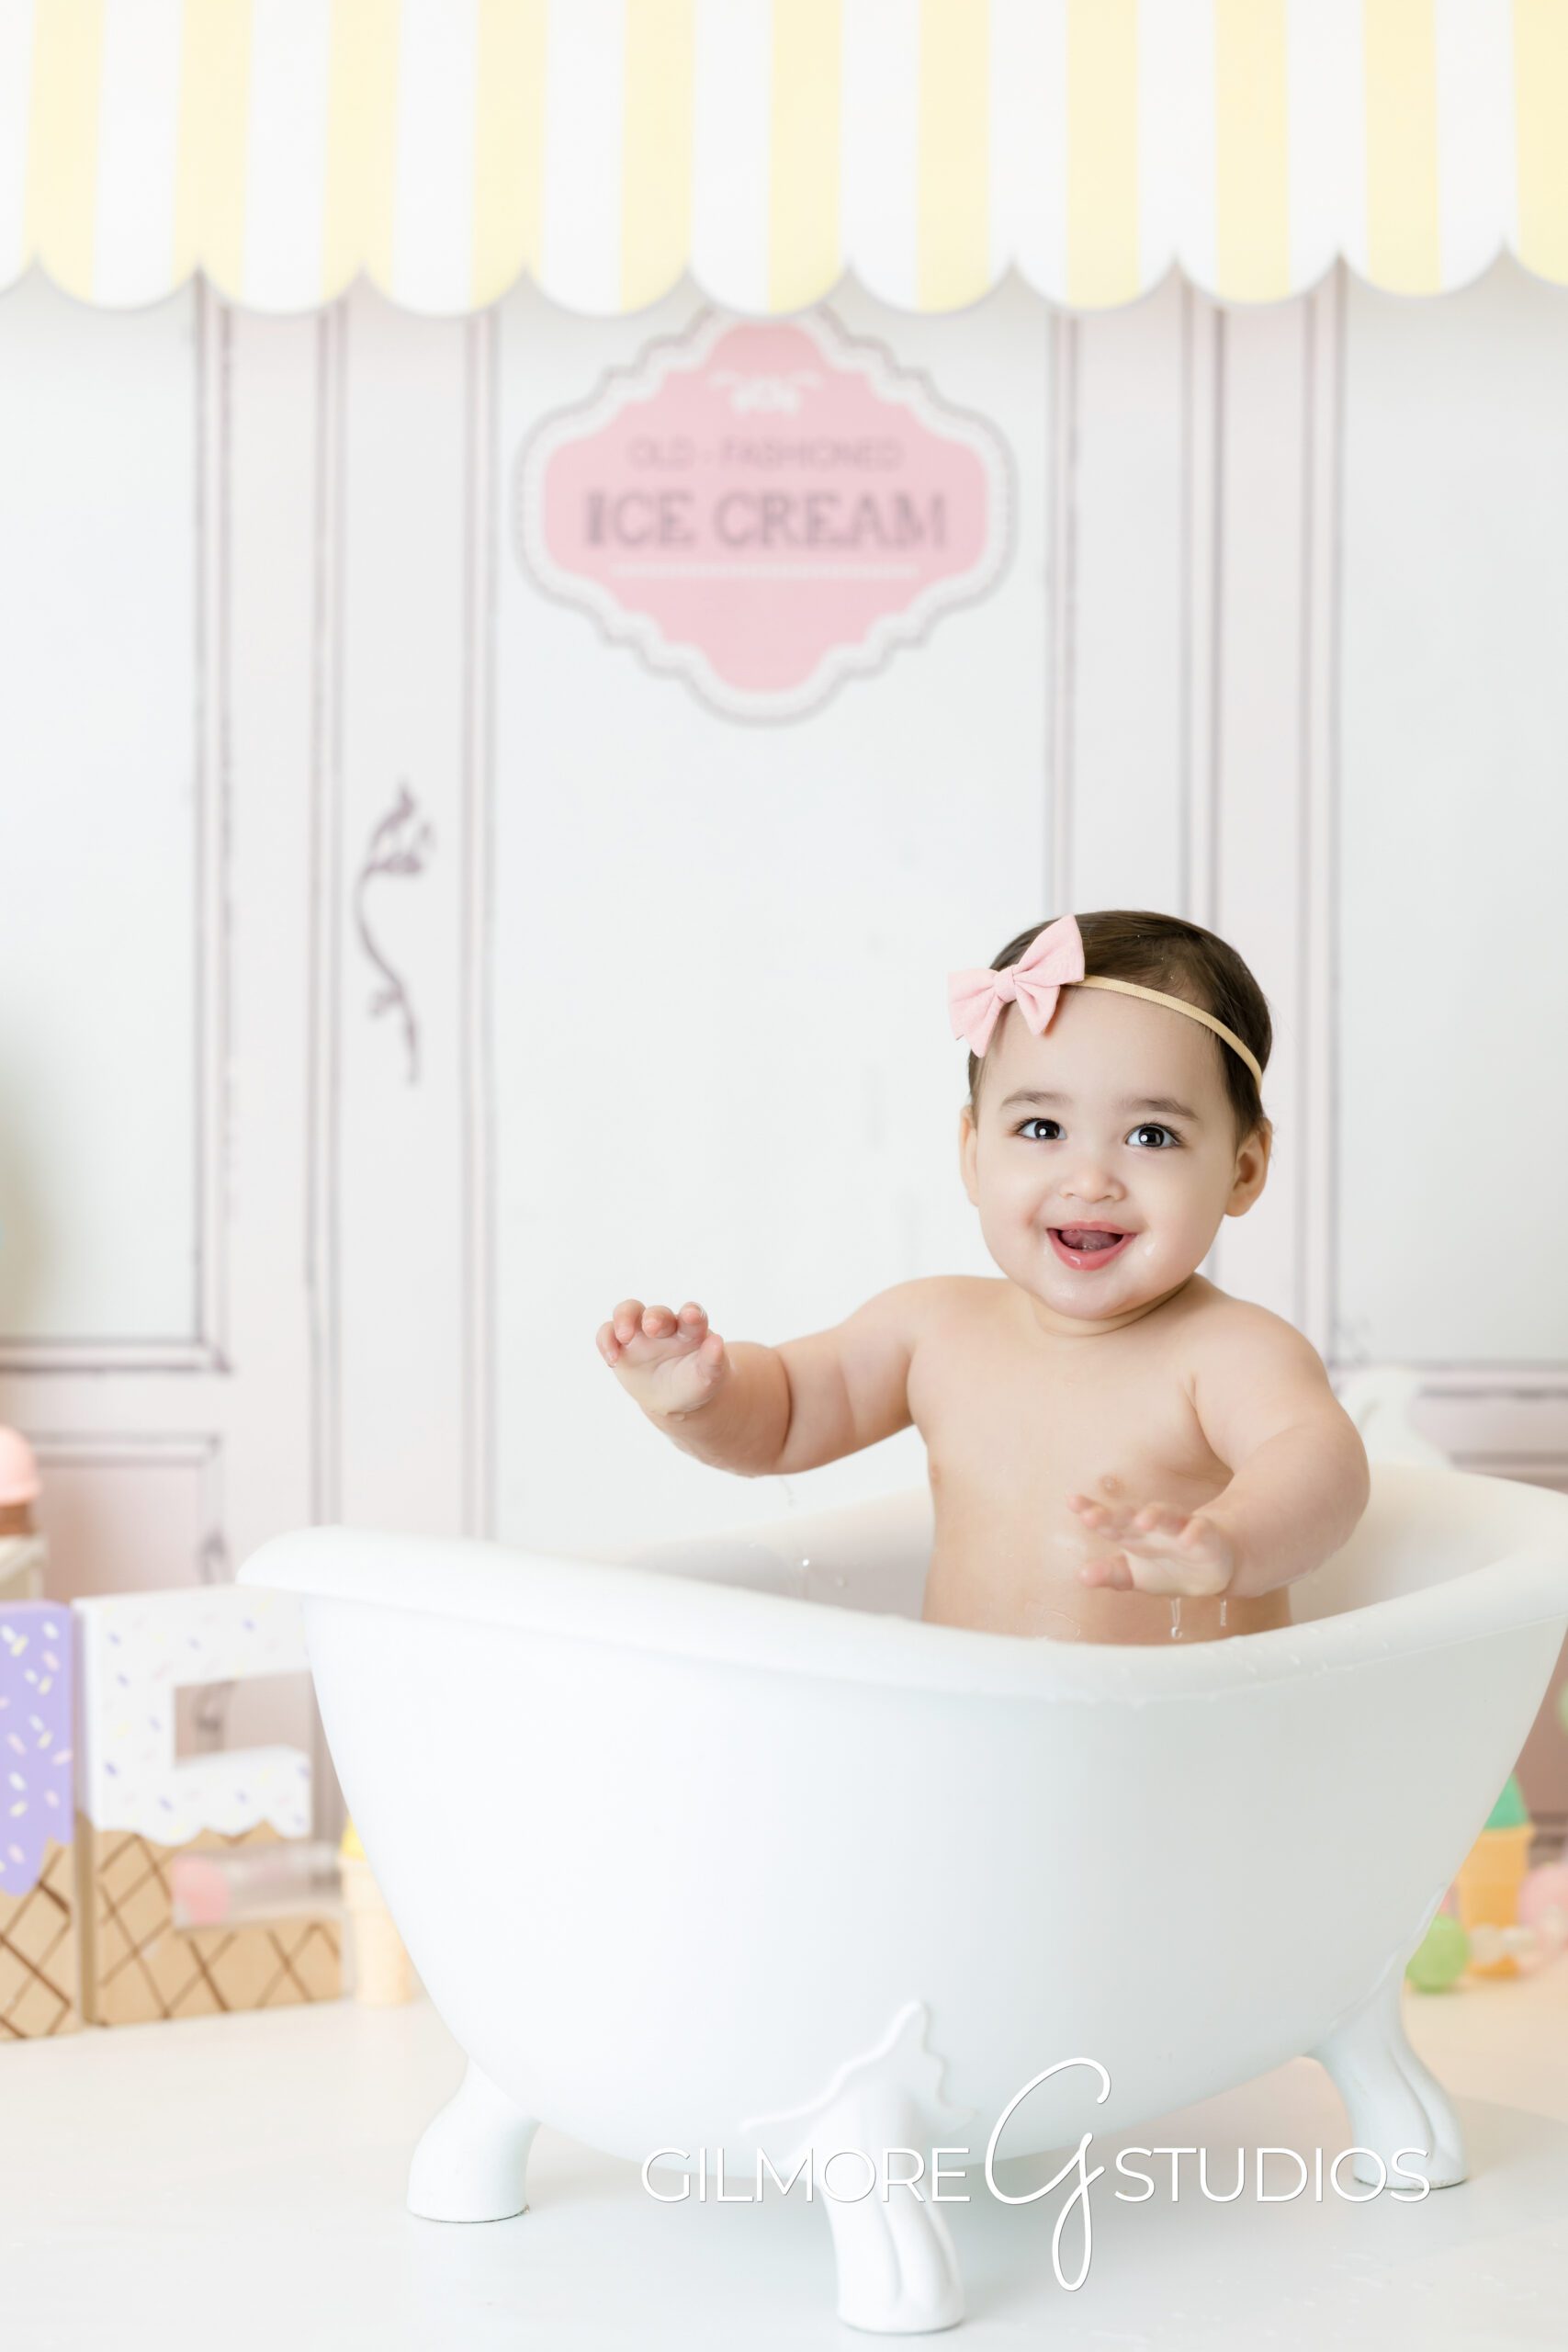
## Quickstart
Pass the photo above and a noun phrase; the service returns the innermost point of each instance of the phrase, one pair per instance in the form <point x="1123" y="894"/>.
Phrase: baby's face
<point x="1117" y="1115"/>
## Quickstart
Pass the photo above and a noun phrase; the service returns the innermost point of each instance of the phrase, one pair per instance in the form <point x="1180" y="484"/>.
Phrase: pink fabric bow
<point x="1052" y="959"/>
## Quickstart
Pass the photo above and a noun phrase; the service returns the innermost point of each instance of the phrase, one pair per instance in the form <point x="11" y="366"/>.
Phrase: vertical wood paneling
<point x="264" y="633"/>
<point x="1125" y="528"/>
<point x="1257" y="782"/>
<point x="405" y="716"/>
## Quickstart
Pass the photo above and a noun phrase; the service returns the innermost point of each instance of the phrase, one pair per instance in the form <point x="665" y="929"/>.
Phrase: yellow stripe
<point x="508" y="143"/>
<point x="62" y="140"/>
<point x="1252" y="233"/>
<point x="1540" y="105"/>
<point x="1400" y="50"/>
<point x="953" y="263"/>
<point x="656" y="148"/>
<point x="362" y="132"/>
<point x="804" y="250"/>
<point x="214" y="128"/>
<point x="1102" y="151"/>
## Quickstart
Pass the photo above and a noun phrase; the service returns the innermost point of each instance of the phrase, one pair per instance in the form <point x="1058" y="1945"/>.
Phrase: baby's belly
<point x="1009" y="1569"/>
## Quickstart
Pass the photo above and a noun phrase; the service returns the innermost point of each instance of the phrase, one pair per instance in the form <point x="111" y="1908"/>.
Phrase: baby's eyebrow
<point x="1165" y="1103"/>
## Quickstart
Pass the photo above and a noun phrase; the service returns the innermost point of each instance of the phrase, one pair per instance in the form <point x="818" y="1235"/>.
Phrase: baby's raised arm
<point x="766" y="1411"/>
<point x="1299" y="1475"/>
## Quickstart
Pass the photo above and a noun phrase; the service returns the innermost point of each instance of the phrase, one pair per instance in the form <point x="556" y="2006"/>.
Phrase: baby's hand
<point x="1162" y="1551"/>
<point x="669" y="1364"/>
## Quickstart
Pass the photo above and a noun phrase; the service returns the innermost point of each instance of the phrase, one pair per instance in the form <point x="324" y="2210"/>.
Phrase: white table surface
<point x="238" y="2182"/>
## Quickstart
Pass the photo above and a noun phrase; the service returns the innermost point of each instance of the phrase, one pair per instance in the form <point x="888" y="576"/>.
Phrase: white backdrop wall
<point x="395" y="974"/>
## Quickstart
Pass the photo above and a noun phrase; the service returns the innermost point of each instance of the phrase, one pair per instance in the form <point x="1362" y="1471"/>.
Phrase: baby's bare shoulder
<point x="929" y="1310"/>
<point x="1236" y="1338"/>
<point x="1250" y="1371"/>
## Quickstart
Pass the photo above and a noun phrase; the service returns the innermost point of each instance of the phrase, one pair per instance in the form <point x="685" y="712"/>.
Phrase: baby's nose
<point x="1091" y="1184"/>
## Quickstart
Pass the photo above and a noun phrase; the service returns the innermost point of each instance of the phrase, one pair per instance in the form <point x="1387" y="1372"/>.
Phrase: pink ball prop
<point x="1543" y="1902"/>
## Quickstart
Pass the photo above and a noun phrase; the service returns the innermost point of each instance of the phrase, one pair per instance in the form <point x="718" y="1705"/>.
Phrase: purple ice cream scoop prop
<point x="35" y="1775"/>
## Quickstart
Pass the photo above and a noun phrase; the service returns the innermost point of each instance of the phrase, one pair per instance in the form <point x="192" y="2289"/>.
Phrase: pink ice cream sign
<point x="764" y="509"/>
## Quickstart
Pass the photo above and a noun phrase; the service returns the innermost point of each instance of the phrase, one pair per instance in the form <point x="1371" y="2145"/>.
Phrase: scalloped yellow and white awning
<point x="445" y="147"/>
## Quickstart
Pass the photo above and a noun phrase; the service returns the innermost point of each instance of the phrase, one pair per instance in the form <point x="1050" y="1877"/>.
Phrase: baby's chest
<point x="1125" y="1430"/>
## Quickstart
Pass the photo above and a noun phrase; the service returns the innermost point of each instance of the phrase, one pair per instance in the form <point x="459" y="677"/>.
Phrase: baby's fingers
<point x="1113" y="1571"/>
<point x="1159" y="1519"/>
<point x="643" y="1330"/>
<point x="1100" y="1519"/>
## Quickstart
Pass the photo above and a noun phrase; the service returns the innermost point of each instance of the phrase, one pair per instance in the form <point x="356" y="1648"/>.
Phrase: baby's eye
<point x="1150" y="1128"/>
<point x="1035" y="1123"/>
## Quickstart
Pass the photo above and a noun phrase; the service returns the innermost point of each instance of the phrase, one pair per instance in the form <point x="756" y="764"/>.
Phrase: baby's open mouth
<point x="1087" y="1245"/>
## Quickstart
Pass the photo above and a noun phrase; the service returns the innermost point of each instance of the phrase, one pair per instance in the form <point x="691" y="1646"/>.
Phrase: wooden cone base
<point x="140" y="1966"/>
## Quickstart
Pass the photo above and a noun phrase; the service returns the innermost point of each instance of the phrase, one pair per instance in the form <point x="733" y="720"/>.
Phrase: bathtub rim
<point x="590" y="1598"/>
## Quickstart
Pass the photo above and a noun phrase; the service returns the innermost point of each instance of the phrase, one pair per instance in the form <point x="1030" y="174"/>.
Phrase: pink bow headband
<point x="1053" y="961"/>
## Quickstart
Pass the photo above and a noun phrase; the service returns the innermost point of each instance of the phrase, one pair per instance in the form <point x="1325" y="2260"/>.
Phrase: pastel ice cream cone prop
<point x="1490" y="1877"/>
<point x="147" y="1815"/>
<point x="39" y="1912"/>
<point x="383" y="1974"/>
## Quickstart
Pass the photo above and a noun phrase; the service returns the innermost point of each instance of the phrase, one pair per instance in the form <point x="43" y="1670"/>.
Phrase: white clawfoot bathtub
<point x="714" y="1846"/>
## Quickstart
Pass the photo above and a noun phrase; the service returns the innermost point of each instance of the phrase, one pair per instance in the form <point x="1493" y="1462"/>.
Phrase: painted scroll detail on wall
<point x="764" y="509"/>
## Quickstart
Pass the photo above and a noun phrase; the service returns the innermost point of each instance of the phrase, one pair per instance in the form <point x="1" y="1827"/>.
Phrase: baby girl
<point x="1118" y="1450"/>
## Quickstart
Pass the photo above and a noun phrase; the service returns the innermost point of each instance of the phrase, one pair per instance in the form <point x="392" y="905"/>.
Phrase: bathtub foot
<point x="472" y="2160"/>
<point x="897" y="2270"/>
<point x="1393" y="2101"/>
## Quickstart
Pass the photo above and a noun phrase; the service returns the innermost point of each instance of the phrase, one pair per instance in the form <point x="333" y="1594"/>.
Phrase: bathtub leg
<point x="897" y="2270"/>
<point x="1392" y="2100"/>
<point x="472" y="2160"/>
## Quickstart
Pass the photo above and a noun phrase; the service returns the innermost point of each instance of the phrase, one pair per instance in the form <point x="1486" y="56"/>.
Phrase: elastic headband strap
<point x="1177" y="1004"/>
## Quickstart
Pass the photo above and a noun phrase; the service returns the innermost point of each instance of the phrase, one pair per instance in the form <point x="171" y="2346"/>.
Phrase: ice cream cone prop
<point x="140" y="1967"/>
<point x="38" y="1889"/>
<point x="383" y="1974"/>
<point x="1490" y="1877"/>
<point x="140" y="1806"/>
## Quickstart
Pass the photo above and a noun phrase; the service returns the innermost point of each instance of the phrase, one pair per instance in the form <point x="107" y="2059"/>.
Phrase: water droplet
<point x="1222" y="1612"/>
<point x="1176" y="1618"/>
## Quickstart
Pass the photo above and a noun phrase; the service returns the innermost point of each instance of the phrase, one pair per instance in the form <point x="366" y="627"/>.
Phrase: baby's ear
<point x="1252" y="1167"/>
<point x="965" y="1145"/>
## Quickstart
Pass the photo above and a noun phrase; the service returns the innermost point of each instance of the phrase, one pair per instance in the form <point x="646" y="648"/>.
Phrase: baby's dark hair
<point x="1182" y="959"/>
